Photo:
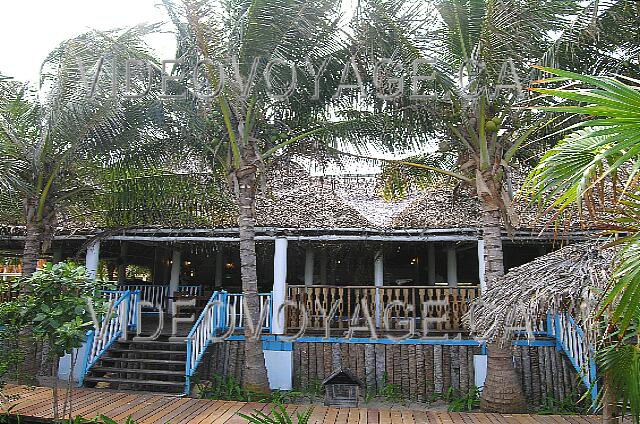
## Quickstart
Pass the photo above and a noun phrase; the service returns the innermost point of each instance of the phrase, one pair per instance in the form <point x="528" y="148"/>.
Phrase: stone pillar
<point x="452" y="267"/>
<point x="378" y="279"/>
<point x="279" y="284"/>
<point x="174" y="279"/>
<point x="308" y="266"/>
<point x="92" y="259"/>
<point x="481" y="266"/>
<point x="431" y="264"/>
<point x="122" y="266"/>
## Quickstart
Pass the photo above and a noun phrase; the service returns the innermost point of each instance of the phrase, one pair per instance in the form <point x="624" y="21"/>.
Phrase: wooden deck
<point x="34" y="405"/>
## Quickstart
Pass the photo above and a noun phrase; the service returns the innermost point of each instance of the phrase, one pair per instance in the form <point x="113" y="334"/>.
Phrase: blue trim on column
<point x="534" y="343"/>
<point x="272" y="342"/>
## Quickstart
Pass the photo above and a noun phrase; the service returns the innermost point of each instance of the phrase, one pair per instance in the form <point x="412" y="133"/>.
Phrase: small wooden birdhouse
<point x="342" y="389"/>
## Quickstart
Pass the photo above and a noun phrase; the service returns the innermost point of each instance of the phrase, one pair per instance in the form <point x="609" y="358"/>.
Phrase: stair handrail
<point x="216" y="318"/>
<point x="571" y="340"/>
<point x="209" y="322"/>
<point x="114" y="295"/>
<point x="100" y="339"/>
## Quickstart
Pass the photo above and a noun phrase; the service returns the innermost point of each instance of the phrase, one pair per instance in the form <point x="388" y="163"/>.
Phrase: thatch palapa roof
<point x="570" y="279"/>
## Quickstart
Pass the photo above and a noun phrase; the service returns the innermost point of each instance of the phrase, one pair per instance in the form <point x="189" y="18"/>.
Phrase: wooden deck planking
<point x="36" y="403"/>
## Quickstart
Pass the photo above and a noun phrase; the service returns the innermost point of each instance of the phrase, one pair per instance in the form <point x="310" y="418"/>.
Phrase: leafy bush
<point x="465" y="402"/>
<point x="227" y="388"/>
<point x="53" y="304"/>
<point x="566" y="406"/>
<point x="278" y="415"/>
<point x="387" y="391"/>
<point x="224" y="388"/>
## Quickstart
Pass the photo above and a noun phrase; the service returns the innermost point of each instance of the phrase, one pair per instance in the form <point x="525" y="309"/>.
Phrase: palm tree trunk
<point x="502" y="391"/>
<point x="28" y="368"/>
<point x="33" y="239"/>
<point x="609" y="402"/>
<point x="255" y="374"/>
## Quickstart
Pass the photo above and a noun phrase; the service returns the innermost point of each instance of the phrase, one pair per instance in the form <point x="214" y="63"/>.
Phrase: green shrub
<point x="463" y="402"/>
<point x="278" y="415"/>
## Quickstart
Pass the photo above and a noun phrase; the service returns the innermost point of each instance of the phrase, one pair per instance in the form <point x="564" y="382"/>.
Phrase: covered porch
<point x="427" y="277"/>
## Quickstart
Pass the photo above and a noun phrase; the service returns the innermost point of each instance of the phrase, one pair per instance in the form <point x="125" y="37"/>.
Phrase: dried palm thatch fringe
<point x="570" y="279"/>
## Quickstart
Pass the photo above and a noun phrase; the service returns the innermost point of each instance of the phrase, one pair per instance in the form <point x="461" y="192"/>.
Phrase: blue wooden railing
<point x="223" y="312"/>
<point x="122" y="316"/>
<point x="571" y="340"/>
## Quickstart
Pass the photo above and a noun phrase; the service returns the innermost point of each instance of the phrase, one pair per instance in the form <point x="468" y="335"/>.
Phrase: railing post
<point x="559" y="330"/>
<point x="85" y="360"/>
<point x="550" y="329"/>
<point x="187" y="380"/>
<point x="593" y="380"/>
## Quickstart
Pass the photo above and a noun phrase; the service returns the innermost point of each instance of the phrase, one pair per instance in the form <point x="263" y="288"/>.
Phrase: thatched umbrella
<point x="570" y="279"/>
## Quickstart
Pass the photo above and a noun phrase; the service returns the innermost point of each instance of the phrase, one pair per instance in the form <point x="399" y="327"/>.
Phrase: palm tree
<point x="56" y="141"/>
<point x="246" y="127"/>
<point x="476" y="49"/>
<point x="592" y="174"/>
<point x="481" y="52"/>
<point x="52" y="141"/>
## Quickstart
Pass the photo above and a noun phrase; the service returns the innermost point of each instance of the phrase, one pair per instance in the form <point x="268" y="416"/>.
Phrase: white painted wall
<point x="64" y="365"/>
<point x="279" y="369"/>
<point x="480" y="369"/>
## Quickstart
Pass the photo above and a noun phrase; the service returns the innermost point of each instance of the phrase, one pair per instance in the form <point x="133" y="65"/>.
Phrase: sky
<point x="32" y="28"/>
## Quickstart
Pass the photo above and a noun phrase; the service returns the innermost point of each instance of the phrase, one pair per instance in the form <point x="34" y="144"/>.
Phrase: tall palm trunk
<point x="502" y="391"/>
<point x="28" y="368"/>
<point x="33" y="239"/>
<point x="255" y="374"/>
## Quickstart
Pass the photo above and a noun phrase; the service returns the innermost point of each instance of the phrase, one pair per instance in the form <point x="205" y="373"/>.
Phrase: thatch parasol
<point x="570" y="279"/>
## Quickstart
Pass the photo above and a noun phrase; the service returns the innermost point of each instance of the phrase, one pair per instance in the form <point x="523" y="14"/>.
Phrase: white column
<point x="92" y="259"/>
<point x="323" y="266"/>
<point x="431" y="263"/>
<point x="174" y="280"/>
<point x="481" y="266"/>
<point x="219" y="265"/>
<point x="452" y="267"/>
<point x="308" y="266"/>
<point x="378" y="279"/>
<point x="279" y="284"/>
<point x="122" y="267"/>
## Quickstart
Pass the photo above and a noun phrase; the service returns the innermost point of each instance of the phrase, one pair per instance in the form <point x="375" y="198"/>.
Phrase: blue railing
<point x="223" y="312"/>
<point x="571" y="340"/>
<point x="209" y="323"/>
<point x="122" y="316"/>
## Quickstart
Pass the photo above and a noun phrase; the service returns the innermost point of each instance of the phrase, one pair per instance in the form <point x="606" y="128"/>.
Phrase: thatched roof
<point x="293" y="198"/>
<point x="567" y="280"/>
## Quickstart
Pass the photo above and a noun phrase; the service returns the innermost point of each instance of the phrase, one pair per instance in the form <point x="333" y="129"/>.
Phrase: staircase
<point x="151" y="366"/>
<point x="163" y="365"/>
